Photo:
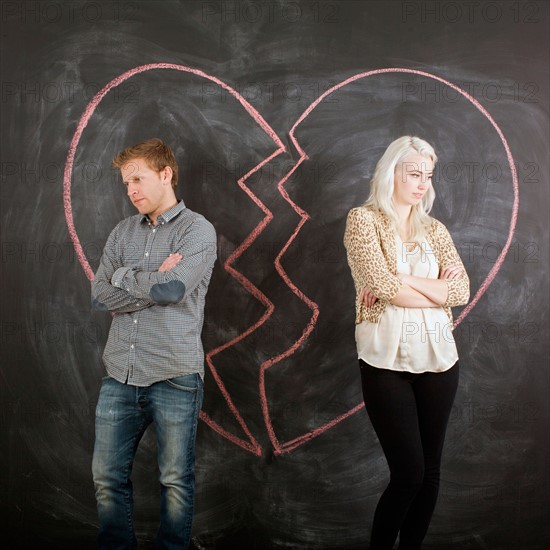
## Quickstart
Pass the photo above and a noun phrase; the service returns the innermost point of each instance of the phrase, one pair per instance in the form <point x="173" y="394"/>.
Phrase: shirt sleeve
<point x="368" y="265"/>
<point x="107" y="297"/>
<point x="197" y="245"/>
<point x="459" y="288"/>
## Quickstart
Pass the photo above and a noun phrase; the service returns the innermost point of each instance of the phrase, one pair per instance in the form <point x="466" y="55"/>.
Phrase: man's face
<point x="149" y="191"/>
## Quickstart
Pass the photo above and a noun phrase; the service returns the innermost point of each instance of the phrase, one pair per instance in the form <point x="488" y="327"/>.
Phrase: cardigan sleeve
<point x="459" y="288"/>
<point x="368" y="265"/>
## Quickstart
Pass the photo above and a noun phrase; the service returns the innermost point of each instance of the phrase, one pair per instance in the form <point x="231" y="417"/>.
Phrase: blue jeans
<point x="123" y="413"/>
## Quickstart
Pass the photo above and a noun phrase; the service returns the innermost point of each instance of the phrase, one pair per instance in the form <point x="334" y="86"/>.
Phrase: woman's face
<point x="412" y="178"/>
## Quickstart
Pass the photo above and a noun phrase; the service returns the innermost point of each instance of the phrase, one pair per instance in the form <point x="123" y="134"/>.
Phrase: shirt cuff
<point x="117" y="280"/>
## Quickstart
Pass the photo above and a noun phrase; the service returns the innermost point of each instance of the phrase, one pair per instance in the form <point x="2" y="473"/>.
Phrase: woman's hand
<point x="451" y="271"/>
<point x="367" y="298"/>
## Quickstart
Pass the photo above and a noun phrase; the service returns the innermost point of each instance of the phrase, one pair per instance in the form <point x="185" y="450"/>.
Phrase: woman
<point x="407" y="275"/>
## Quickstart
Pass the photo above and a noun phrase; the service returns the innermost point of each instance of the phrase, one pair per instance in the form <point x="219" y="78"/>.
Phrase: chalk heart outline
<point x="250" y="444"/>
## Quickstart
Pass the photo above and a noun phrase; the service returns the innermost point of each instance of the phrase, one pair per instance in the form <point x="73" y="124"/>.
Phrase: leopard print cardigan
<point x="369" y="239"/>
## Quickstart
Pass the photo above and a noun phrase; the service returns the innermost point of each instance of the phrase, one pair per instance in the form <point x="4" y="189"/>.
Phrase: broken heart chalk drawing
<point x="249" y="443"/>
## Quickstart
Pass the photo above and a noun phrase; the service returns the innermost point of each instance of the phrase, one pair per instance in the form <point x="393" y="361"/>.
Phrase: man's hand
<point x="172" y="261"/>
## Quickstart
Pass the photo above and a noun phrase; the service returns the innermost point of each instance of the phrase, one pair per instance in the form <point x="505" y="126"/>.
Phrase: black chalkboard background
<point x="280" y="56"/>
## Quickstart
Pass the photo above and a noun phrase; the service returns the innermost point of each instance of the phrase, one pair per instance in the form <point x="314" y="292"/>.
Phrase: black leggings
<point x="409" y="413"/>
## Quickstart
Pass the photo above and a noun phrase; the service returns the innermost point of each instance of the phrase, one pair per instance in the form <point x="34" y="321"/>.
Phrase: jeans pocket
<point x="187" y="382"/>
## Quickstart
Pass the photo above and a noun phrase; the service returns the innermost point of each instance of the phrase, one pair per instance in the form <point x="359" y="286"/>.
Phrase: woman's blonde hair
<point x="382" y="184"/>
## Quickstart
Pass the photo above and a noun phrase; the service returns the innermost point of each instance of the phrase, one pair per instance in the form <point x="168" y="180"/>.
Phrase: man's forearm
<point x="157" y="287"/>
<point x="106" y="297"/>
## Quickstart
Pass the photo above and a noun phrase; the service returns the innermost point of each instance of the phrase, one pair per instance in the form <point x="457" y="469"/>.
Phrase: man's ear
<point x="168" y="173"/>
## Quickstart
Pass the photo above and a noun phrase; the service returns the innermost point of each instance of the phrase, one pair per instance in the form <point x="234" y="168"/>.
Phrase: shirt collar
<point x="168" y="215"/>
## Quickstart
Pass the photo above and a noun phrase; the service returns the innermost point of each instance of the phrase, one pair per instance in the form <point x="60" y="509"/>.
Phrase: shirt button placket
<point x="134" y="340"/>
<point x="149" y="244"/>
<point x="132" y="362"/>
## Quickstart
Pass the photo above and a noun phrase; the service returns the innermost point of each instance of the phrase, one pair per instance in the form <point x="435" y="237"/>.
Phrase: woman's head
<point x="406" y="160"/>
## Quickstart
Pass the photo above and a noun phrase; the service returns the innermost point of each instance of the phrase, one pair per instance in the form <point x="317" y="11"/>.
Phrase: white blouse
<point x="408" y="338"/>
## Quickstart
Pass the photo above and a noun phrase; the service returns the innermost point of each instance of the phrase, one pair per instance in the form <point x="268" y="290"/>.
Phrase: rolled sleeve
<point x="459" y="291"/>
<point x="117" y="280"/>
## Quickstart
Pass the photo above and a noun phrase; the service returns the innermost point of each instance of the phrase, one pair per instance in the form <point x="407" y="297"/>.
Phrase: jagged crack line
<point x="301" y="295"/>
<point x="228" y="435"/>
<point x="252" y="289"/>
<point x="83" y="122"/>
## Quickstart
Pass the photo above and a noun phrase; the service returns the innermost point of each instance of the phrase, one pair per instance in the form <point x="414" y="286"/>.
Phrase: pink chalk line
<point x="293" y="444"/>
<point x="251" y="445"/>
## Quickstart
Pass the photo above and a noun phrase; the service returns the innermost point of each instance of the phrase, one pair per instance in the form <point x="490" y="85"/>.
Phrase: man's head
<point x="156" y="154"/>
<point x="150" y="173"/>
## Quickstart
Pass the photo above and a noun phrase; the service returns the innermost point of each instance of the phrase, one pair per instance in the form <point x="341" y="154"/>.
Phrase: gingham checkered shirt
<point x="156" y="328"/>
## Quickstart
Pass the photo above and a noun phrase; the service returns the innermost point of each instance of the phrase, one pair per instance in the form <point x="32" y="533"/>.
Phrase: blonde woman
<point x="407" y="275"/>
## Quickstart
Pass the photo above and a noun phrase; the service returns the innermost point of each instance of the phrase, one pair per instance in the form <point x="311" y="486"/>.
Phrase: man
<point x="153" y="276"/>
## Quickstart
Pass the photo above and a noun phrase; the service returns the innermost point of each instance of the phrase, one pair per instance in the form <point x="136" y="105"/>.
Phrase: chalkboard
<point x="277" y="112"/>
